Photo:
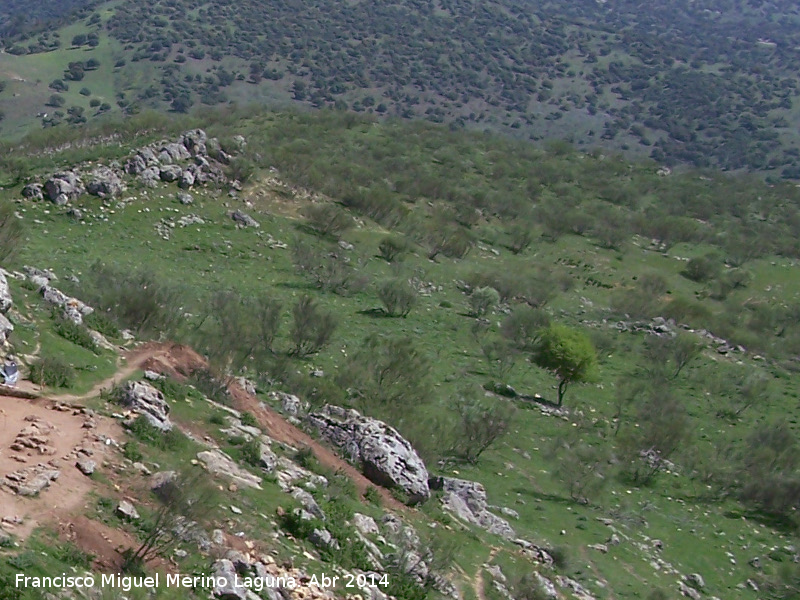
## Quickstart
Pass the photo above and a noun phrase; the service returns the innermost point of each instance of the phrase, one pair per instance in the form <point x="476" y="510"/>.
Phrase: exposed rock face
<point x="74" y="309"/>
<point x="5" y="295"/>
<point x="146" y="400"/>
<point x="35" y="436"/>
<point x="170" y="173"/>
<point x="162" y="480"/>
<point x="63" y="187"/>
<point x="225" y="581"/>
<point x="243" y="219"/>
<point x="467" y="500"/>
<point x="105" y="182"/>
<point x="291" y="405"/>
<point x="219" y="463"/>
<point x="5" y="329"/>
<point x="384" y="455"/>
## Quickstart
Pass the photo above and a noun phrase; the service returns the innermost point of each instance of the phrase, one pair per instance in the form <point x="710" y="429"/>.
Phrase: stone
<point x="291" y="404"/>
<point x="186" y="180"/>
<point x="162" y="480"/>
<point x="467" y="500"/>
<point x="150" y="176"/>
<point x="385" y="457"/>
<point x="226" y="582"/>
<point x="105" y="183"/>
<point x="307" y="502"/>
<point x="144" y="399"/>
<point x="126" y="510"/>
<point x="185" y="198"/>
<point x="176" y="152"/>
<point x="62" y="187"/>
<point x="31" y="480"/>
<point x="33" y="190"/>
<point x="267" y="459"/>
<point x="688" y="592"/>
<point x="365" y="524"/>
<point x="6" y="302"/>
<point x="6" y="328"/>
<point x="86" y="466"/>
<point x="195" y="142"/>
<point x="219" y="463"/>
<point x="243" y="219"/>
<point x="170" y="173"/>
<point x="696" y="581"/>
<point x="321" y="538"/>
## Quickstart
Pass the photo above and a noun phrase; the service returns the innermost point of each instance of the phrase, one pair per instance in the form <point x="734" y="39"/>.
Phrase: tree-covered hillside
<point x="704" y="83"/>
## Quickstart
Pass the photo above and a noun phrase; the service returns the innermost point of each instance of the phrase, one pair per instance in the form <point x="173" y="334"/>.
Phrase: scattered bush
<point x="328" y="219"/>
<point x="52" y="372"/>
<point x="312" y="327"/>
<point x="398" y="297"/>
<point x="482" y="301"/>
<point x="392" y="248"/>
<point x="77" y="334"/>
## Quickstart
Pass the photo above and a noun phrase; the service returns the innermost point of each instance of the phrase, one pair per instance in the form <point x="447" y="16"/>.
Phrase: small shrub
<point x="328" y="219"/>
<point x="373" y="496"/>
<point x="102" y="323"/>
<point x="312" y="328"/>
<point x="251" y="452"/>
<point x="132" y="452"/>
<point x="52" y="372"/>
<point x="397" y="296"/>
<point x="392" y="248"/>
<point x="249" y="419"/>
<point x="483" y="300"/>
<point x="702" y="268"/>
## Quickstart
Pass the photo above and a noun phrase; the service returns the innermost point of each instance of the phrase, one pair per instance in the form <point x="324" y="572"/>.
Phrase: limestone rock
<point x="31" y="480"/>
<point x="126" y="510"/>
<point x="86" y="466"/>
<point x="225" y="581"/>
<point x="146" y="400"/>
<point x="62" y="187"/>
<point x="243" y="219"/>
<point x="6" y="301"/>
<point x="33" y="190"/>
<point x="385" y="457"/>
<point x="467" y="500"/>
<point x="219" y="463"/>
<point x="170" y="173"/>
<point x="105" y="182"/>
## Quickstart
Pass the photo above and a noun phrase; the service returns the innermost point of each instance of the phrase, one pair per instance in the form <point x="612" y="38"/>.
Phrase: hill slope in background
<point x="413" y="274"/>
<point x="704" y="83"/>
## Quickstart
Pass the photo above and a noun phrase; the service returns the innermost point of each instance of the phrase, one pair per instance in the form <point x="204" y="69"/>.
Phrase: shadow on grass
<point x="376" y="313"/>
<point x="783" y="523"/>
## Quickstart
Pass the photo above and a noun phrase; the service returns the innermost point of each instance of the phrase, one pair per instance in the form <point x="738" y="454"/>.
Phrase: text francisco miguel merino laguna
<point x="127" y="583"/>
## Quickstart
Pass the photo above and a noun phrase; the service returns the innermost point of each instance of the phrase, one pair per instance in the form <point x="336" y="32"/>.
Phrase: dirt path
<point x="477" y="582"/>
<point x="179" y="361"/>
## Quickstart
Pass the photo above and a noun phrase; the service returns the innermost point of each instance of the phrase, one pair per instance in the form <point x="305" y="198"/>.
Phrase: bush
<point x="77" y="334"/>
<point x="398" y="297"/>
<point x="328" y="219"/>
<point x="391" y="248"/>
<point x="52" y="372"/>
<point x="483" y="300"/>
<point x="248" y="419"/>
<point x="251" y="452"/>
<point x="102" y="323"/>
<point x="131" y="451"/>
<point x="312" y="329"/>
<point x="523" y="327"/>
<point x="702" y="268"/>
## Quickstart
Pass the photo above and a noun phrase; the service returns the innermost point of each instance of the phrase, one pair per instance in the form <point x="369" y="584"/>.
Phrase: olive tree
<point x="568" y="353"/>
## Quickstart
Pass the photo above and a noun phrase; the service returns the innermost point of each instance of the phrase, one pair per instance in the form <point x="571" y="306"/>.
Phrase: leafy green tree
<point x="569" y="354"/>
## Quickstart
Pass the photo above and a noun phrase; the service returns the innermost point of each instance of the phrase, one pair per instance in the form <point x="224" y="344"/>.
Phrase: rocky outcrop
<point x="6" y="301"/>
<point x="74" y="309"/>
<point x="62" y="187"/>
<point x="86" y="465"/>
<point x="105" y="182"/>
<point x="290" y="404"/>
<point x="126" y="510"/>
<point x="244" y="220"/>
<point x="384" y="456"/>
<point x="467" y="500"/>
<point x="143" y="399"/>
<point x="6" y="328"/>
<point x="219" y="463"/>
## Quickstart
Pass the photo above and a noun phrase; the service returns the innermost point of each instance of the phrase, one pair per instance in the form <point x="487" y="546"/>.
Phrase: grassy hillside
<point x="487" y="243"/>
<point x="708" y="84"/>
